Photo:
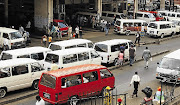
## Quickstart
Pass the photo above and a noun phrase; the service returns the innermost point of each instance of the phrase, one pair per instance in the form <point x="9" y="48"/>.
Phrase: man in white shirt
<point x="39" y="101"/>
<point x="135" y="80"/>
<point x="54" y="66"/>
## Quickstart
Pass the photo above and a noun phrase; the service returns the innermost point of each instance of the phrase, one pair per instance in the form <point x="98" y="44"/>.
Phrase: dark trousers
<point x="135" y="88"/>
<point x="137" y="40"/>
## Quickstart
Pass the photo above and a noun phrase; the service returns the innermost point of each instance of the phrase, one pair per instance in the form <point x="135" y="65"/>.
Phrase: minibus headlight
<point x="56" y="96"/>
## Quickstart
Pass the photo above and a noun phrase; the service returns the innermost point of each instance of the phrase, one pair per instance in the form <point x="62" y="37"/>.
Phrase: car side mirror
<point x="111" y="75"/>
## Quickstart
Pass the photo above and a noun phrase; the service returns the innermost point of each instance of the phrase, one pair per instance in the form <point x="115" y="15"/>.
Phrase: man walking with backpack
<point x="146" y="55"/>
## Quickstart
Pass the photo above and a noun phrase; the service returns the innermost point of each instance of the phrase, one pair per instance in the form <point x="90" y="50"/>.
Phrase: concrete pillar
<point x="162" y="5"/>
<point x="6" y="12"/>
<point x="135" y="7"/>
<point x="99" y="7"/>
<point x="43" y="14"/>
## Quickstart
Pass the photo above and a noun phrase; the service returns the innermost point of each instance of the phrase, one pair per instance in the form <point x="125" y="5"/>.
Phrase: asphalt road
<point x="123" y="77"/>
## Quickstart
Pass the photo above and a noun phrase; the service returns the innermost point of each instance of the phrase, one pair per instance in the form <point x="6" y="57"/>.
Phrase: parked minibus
<point x="173" y="15"/>
<point x="129" y="26"/>
<point x="72" y="57"/>
<point x="72" y="83"/>
<point x="110" y="16"/>
<point x="161" y="29"/>
<point x="38" y="53"/>
<point x="110" y="49"/>
<point x="60" y="45"/>
<point x="177" y="23"/>
<point x="19" y="73"/>
<point x="148" y="17"/>
<point x="157" y="15"/>
<point x="168" y="69"/>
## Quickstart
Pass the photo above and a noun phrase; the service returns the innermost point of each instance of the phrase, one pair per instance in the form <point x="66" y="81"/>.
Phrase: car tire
<point x="2" y="92"/>
<point x="35" y="85"/>
<point x="73" y="100"/>
<point x="127" y="33"/>
<point x="116" y="62"/>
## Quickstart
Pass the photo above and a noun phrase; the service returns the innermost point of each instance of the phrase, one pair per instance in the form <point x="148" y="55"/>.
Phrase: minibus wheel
<point x="73" y="100"/>
<point x="127" y="33"/>
<point x="2" y="92"/>
<point x="35" y="85"/>
<point x="115" y="62"/>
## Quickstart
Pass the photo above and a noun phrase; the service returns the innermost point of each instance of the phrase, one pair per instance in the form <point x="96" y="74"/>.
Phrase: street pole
<point x="161" y="92"/>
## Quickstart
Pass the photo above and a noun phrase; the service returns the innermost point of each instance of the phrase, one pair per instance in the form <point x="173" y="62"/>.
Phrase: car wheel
<point x="116" y="62"/>
<point x="73" y="100"/>
<point x="162" y="36"/>
<point x="127" y="33"/>
<point x="2" y="92"/>
<point x="35" y="85"/>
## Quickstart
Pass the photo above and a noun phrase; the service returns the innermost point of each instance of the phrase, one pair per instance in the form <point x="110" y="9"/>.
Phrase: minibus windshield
<point x="48" y="81"/>
<point x="15" y="35"/>
<point x="170" y="63"/>
<point x="101" y="48"/>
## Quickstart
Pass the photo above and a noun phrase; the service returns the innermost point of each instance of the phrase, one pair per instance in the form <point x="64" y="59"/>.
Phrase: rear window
<point x="51" y="57"/>
<point x="55" y="47"/>
<point x="6" y="56"/>
<point x="101" y="47"/>
<point x="48" y="81"/>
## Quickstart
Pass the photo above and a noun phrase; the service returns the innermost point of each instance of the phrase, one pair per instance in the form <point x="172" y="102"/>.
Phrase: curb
<point x="141" y="59"/>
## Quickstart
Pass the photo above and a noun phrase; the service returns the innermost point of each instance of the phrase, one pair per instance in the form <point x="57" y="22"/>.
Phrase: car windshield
<point x="15" y="35"/>
<point x="51" y="57"/>
<point x="48" y="81"/>
<point x="62" y="25"/>
<point x="101" y="47"/>
<point x="170" y="63"/>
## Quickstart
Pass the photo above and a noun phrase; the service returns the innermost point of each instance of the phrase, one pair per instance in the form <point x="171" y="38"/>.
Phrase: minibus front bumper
<point x="168" y="78"/>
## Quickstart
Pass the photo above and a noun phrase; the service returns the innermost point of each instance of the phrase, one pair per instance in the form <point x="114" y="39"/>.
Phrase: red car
<point x="63" y="26"/>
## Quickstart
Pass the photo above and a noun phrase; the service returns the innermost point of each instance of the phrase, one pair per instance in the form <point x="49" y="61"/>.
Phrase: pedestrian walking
<point x="44" y="40"/>
<point x="136" y="82"/>
<point x="54" y="66"/>
<point x="107" y="96"/>
<point x="70" y="31"/>
<point x="131" y="55"/>
<point x="49" y="39"/>
<point x="39" y="101"/>
<point x="21" y="29"/>
<point x="138" y="38"/>
<point x="77" y="31"/>
<point x="121" y="59"/>
<point x="107" y="27"/>
<point x="80" y="32"/>
<point x="122" y="48"/>
<point x="146" y="55"/>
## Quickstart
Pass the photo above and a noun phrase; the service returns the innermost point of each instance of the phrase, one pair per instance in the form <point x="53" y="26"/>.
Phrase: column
<point x="162" y="4"/>
<point x="99" y="7"/>
<point x="43" y="14"/>
<point x="6" y="12"/>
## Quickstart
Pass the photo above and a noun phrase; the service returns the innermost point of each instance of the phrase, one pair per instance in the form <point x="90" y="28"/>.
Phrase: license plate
<point x="46" y="95"/>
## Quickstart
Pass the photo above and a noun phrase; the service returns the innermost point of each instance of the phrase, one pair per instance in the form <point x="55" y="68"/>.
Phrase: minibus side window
<point x="90" y="45"/>
<point x="139" y="15"/>
<point x="23" y="56"/>
<point x="71" y="81"/>
<point x="82" y="45"/>
<point x="5" y="72"/>
<point x="104" y="73"/>
<point x="69" y="58"/>
<point x="5" y="35"/>
<point x="90" y="76"/>
<point x="55" y="47"/>
<point x="17" y="70"/>
<point x="178" y="15"/>
<point x="70" y="47"/>
<point x="103" y="14"/>
<point x="115" y="48"/>
<point x="6" y="56"/>
<point x="94" y="54"/>
<point x="146" y="16"/>
<point x="38" y="56"/>
<point x="163" y="26"/>
<point x="83" y="56"/>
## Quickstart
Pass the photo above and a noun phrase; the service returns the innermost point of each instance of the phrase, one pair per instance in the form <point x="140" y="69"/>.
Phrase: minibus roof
<point x="28" y="50"/>
<point x="74" y="69"/>
<point x="71" y="51"/>
<point x="7" y="30"/>
<point x="71" y="42"/>
<point x="114" y="41"/>
<point x="174" y="55"/>
<point x="162" y="22"/>
<point x="131" y="20"/>
<point x="16" y="62"/>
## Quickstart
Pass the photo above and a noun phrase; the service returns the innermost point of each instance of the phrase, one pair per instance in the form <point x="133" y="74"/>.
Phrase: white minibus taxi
<point x="168" y="69"/>
<point x="72" y="57"/>
<point x="19" y="73"/>
<point x="177" y="23"/>
<point x="109" y="49"/>
<point x="60" y="45"/>
<point x="129" y="26"/>
<point x="161" y="29"/>
<point x="173" y="15"/>
<point x="38" y="53"/>
<point x="109" y="16"/>
<point x="148" y="17"/>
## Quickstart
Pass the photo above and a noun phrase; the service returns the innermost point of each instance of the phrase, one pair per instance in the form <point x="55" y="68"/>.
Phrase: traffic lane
<point x="123" y="77"/>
